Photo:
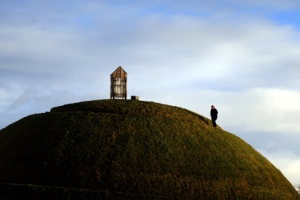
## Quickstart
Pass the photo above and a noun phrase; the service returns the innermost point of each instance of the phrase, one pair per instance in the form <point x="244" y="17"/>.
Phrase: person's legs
<point x="214" y="122"/>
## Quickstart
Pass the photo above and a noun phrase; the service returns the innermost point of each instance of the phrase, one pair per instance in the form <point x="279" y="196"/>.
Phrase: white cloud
<point x="249" y="54"/>
<point x="4" y="96"/>
<point x="32" y="50"/>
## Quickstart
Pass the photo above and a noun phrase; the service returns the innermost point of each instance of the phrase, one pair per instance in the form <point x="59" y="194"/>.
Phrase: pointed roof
<point x="117" y="70"/>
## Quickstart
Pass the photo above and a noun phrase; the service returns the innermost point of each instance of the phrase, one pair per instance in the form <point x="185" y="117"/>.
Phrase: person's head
<point x="212" y="107"/>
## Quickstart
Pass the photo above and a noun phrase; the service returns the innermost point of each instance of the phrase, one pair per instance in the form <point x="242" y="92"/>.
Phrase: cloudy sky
<point x="241" y="56"/>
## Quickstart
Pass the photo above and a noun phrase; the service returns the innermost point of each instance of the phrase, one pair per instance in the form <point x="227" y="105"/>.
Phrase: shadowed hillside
<point x="122" y="149"/>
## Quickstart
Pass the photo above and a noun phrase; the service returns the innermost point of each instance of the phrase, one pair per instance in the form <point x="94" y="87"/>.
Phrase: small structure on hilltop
<point x="118" y="84"/>
<point x="135" y="98"/>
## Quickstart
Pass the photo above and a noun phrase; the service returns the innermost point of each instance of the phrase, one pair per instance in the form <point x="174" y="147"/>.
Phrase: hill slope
<point x="120" y="149"/>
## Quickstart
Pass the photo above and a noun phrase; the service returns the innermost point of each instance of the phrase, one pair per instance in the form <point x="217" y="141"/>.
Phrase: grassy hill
<point x="122" y="149"/>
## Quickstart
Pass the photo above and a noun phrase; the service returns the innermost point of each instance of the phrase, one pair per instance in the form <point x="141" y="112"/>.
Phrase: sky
<point x="241" y="56"/>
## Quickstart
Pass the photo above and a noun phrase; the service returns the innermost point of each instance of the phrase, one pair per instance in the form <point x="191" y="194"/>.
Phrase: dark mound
<point x="120" y="149"/>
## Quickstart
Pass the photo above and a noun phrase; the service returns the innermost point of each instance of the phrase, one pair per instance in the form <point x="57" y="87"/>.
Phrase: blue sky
<point x="243" y="57"/>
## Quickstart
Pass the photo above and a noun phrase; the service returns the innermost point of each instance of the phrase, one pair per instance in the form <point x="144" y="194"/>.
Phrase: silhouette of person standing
<point x="214" y="115"/>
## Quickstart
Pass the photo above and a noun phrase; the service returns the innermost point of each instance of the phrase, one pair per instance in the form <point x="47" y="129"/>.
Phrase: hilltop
<point x="122" y="149"/>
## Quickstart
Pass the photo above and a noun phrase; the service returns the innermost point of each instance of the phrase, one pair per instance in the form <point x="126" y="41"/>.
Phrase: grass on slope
<point x="138" y="150"/>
